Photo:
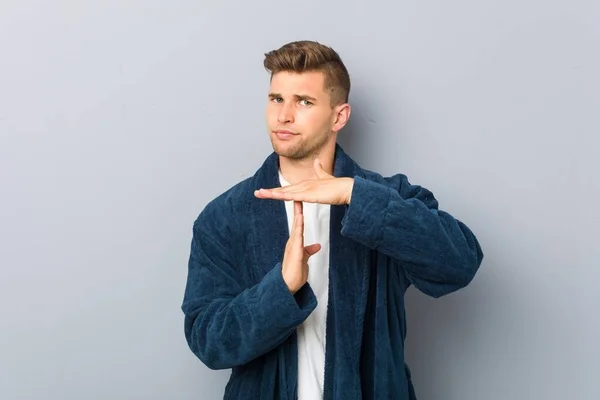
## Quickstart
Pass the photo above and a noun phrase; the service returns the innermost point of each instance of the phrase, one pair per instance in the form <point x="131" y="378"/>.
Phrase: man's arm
<point x="439" y="254"/>
<point x="226" y="324"/>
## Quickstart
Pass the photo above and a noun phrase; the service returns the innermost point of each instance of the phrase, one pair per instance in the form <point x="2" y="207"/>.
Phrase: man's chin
<point x="292" y="154"/>
<point x="284" y="151"/>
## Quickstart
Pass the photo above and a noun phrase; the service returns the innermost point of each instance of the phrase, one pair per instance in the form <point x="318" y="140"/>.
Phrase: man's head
<point x="308" y="98"/>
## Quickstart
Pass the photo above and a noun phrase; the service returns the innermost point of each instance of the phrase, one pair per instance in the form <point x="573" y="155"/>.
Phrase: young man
<point x="297" y="275"/>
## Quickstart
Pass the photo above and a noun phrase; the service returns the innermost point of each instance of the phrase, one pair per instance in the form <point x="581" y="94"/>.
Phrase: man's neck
<point x="295" y="171"/>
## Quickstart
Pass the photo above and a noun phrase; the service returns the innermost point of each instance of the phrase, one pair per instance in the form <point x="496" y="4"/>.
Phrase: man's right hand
<point x="295" y="258"/>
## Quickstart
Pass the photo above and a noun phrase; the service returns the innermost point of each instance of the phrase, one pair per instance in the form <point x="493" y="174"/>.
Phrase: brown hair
<point x="305" y="56"/>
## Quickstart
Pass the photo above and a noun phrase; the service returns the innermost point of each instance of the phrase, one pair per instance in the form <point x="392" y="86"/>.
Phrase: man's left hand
<point x="326" y="189"/>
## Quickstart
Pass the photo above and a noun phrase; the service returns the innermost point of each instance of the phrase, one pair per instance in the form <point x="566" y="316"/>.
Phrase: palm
<point x="326" y="189"/>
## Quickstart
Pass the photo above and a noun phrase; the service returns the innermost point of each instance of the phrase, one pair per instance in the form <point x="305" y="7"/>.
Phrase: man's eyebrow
<point x="297" y="96"/>
<point x="305" y="97"/>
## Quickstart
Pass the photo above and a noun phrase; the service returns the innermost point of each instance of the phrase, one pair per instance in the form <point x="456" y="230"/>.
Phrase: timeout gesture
<point x="326" y="189"/>
<point x="295" y="258"/>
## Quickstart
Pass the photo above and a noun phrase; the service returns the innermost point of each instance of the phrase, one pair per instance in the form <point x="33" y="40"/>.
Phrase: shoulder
<point x="224" y="209"/>
<point x="229" y="209"/>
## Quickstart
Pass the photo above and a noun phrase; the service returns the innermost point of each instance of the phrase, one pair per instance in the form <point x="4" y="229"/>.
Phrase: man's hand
<point x="326" y="189"/>
<point x="295" y="258"/>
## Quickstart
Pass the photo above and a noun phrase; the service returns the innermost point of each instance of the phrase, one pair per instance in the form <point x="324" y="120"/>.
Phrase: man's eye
<point x="277" y="99"/>
<point x="305" y="103"/>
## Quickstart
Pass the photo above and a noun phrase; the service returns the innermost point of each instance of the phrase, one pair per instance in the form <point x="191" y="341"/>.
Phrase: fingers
<point x="319" y="171"/>
<point x="317" y="168"/>
<point x="287" y="193"/>
<point x="298" y="207"/>
<point x="263" y="194"/>
<point x="301" y="193"/>
<point x="298" y="229"/>
<point x="312" y="249"/>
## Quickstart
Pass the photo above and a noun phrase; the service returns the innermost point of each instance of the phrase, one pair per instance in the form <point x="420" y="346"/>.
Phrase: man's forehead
<point x="292" y="82"/>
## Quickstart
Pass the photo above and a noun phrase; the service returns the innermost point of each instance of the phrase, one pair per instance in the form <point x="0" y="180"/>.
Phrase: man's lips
<point x="284" y="134"/>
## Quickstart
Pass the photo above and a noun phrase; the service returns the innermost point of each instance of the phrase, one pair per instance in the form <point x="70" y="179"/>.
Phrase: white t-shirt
<point x="311" y="334"/>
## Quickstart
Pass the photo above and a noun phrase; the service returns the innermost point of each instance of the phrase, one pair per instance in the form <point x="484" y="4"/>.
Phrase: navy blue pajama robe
<point x="239" y="313"/>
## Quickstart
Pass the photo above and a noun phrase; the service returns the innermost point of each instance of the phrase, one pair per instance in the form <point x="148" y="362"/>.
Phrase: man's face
<point x="300" y="117"/>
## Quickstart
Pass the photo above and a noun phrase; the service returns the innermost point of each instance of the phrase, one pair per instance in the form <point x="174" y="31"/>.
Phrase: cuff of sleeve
<point x="291" y="309"/>
<point x="366" y="213"/>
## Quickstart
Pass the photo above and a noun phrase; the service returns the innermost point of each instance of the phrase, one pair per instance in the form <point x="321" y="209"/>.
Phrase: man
<point x="297" y="274"/>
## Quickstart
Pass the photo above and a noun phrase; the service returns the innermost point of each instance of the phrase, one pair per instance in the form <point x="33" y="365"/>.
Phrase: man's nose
<point x="286" y="114"/>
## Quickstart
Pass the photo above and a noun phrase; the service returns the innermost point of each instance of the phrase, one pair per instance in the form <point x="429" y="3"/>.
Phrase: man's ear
<point x="342" y="115"/>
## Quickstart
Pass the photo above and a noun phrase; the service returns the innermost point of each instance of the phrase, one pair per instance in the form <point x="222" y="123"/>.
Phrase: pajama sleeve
<point x="438" y="253"/>
<point x="226" y="323"/>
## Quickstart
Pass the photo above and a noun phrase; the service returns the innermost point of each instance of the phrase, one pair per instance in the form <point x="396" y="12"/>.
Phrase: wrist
<point x="349" y="190"/>
<point x="291" y="287"/>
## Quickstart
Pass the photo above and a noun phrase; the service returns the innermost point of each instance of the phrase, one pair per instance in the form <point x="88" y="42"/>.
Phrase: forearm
<point x="225" y="331"/>
<point x="431" y="245"/>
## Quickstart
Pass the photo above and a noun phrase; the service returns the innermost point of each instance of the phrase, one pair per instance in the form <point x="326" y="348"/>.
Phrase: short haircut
<point x="310" y="56"/>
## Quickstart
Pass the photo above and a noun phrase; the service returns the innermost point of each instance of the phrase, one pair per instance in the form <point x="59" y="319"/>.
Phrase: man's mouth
<point x="284" y="134"/>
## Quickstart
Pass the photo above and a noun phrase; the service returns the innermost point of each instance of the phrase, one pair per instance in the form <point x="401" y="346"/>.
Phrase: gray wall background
<point x="120" y="120"/>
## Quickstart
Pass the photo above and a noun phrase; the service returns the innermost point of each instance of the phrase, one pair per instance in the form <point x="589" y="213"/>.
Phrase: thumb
<point x="312" y="249"/>
<point x="319" y="171"/>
